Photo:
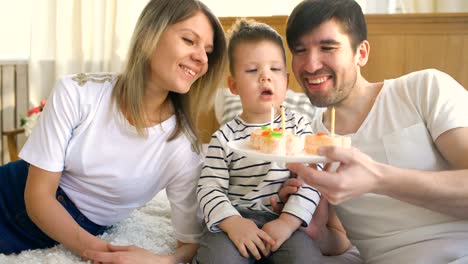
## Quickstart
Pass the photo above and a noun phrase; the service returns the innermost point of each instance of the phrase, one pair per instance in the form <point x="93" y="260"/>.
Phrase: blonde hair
<point x="128" y="93"/>
<point x="248" y="30"/>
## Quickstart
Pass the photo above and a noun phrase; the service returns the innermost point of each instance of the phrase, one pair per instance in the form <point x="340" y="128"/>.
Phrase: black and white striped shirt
<point x="229" y="180"/>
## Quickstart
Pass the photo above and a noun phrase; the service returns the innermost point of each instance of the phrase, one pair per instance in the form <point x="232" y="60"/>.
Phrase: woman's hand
<point x="356" y="174"/>
<point x="127" y="254"/>
<point x="247" y="237"/>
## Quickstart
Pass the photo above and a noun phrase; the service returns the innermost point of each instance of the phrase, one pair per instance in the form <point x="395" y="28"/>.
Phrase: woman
<point x="107" y="144"/>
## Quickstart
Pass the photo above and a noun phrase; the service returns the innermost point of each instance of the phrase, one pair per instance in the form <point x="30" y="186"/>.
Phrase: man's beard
<point x="334" y="97"/>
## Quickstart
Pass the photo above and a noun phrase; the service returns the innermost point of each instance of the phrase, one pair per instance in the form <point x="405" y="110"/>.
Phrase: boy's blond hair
<point x="248" y="30"/>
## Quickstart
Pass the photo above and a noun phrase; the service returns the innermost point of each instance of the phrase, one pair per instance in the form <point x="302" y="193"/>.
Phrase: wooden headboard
<point x="400" y="43"/>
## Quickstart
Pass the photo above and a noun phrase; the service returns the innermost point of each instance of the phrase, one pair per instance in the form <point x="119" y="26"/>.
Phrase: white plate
<point x="243" y="147"/>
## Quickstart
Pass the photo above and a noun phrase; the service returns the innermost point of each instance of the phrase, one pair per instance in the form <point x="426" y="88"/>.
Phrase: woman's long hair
<point x="129" y="90"/>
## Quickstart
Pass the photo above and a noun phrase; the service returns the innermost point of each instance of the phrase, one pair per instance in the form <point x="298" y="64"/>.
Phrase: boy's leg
<point x="299" y="248"/>
<point x="217" y="248"/>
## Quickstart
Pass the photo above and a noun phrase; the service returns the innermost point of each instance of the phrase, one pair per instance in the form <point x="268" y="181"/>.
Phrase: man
<point x="402" y="192"/>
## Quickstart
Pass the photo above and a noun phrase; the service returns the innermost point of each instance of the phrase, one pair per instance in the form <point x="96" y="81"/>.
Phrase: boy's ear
<point x="287" y="80"/>
<point x="232" y="85"/>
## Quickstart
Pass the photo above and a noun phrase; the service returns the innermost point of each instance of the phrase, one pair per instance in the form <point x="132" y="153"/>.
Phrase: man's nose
<point x="313" y="63"/>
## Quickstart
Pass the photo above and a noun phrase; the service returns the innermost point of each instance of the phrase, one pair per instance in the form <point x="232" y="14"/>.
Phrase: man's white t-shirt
<point x="108" y="170"/>
<point x="408" y="115"/>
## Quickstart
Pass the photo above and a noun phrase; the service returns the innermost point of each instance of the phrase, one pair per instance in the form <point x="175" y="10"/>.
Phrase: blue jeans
<point x="17" y="231"/>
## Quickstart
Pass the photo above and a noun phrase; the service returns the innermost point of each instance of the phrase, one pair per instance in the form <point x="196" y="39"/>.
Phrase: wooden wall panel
<point x="388" y="64"/>
<point x="457" y="58"/>
<point x="415" y="42"/>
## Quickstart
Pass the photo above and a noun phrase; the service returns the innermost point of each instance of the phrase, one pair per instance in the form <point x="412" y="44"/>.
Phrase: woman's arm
<point x="50" y="216"/>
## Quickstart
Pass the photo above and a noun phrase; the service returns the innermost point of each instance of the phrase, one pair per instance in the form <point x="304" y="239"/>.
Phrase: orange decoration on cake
<point x="280" y="142"/>
<point x="275" y="140"/>
<point x="321" y="139"/>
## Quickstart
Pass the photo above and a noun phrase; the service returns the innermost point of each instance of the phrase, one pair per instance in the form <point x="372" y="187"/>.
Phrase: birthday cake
<point x="315" y="141"/>
<point x="275" y="141"/>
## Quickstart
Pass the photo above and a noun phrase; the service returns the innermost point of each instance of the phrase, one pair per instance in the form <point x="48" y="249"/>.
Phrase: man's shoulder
<point x="422" y="85"/>
<point x="424" y="74"/>
<point x="420" y="80"/>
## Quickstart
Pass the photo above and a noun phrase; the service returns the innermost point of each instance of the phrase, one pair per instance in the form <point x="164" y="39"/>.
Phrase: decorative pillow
<point x="227" y="105"/>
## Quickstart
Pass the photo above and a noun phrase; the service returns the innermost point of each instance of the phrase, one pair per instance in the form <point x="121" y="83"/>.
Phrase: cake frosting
<point x="274" y="141"/>
<point x="315" y="141"/>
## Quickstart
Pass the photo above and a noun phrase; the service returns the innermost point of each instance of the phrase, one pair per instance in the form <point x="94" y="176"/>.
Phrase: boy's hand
<point x="245" y="235"/>
<point x="291" y="186"/>
<point x="319" y="221"/>
<point x="281" y="229"/>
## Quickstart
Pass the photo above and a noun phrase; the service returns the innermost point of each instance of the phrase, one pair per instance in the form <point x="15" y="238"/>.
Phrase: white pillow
<point x="227" y="105"/>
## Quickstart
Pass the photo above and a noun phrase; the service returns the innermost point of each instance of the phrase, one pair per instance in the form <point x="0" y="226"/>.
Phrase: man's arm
<point x="325" y="227"/>
<point x="333" y="239"/>
<point x="441" y="191"/>
<point x="185" y="252"/>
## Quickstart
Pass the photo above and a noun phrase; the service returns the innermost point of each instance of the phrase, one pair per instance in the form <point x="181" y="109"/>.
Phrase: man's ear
<point x="362" y="53"/>
<point x="232" y="85"/>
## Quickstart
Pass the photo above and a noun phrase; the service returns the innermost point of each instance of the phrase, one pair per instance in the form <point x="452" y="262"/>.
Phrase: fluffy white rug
<point x="148" y="227"/>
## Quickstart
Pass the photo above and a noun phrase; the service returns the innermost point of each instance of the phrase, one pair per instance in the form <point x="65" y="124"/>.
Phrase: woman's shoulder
<point x="99" y="79"/>
<point x="86" y="85"/>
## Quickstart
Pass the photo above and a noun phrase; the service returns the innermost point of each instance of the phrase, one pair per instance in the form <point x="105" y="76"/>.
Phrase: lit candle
<point x="283" y="122"/>
<point x="272" y="117"/>
<point x="332" y="122"/>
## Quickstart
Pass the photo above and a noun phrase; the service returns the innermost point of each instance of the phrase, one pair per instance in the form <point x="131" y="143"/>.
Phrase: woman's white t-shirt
<point x="108" y="170"/>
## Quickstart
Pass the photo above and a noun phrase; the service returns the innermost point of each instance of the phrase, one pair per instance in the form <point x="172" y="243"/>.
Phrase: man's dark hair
<point x="310" y="14"/>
